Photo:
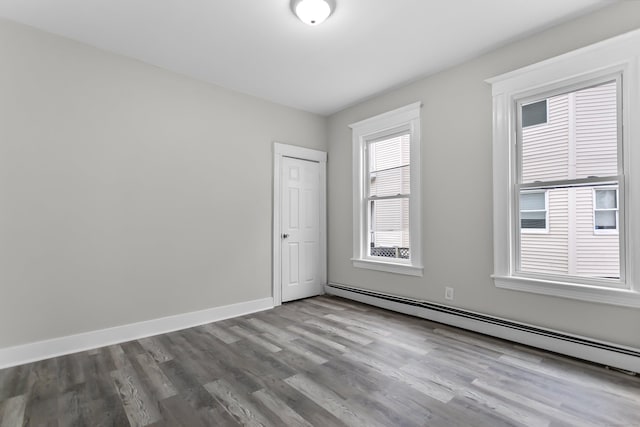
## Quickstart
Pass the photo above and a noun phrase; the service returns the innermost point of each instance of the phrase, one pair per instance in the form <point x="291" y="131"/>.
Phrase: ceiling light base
<point x="313" y="12"/>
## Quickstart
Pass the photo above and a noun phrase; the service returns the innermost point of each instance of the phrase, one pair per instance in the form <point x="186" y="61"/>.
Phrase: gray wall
<point x="457" y="188"/>
<point x="128" y="193"/>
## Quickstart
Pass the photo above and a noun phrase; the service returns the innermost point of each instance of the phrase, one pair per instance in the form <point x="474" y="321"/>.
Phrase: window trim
<point x="546" y="228"/>
<point x="404" y="119"/>
<point x="606" y="232"/>
<point x="621" y="55"/>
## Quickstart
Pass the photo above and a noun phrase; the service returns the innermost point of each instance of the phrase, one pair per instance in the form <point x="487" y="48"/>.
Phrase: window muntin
<point x="533" y="211"/>
<point x="389" y="188"/>
<point x="605" y="210"/>
<point x="568" y="159"/>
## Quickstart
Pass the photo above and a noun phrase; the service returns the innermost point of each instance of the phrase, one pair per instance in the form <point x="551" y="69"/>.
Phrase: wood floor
<point x="325" y="362"/>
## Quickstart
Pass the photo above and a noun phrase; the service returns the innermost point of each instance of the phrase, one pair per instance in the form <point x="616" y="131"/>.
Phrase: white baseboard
<point x="40" y="350"/>
<point x="608" y="354"/>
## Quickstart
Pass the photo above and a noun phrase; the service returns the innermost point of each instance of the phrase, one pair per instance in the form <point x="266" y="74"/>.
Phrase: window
<point x="565" y="203"/>
<point x="568" y="159"/>
<point x="386" y="189"/>
<point x="534" y="114"/>
<point x="533" y="211"/>
<point x="605" y="210"/>
<point x="388" y="196"/>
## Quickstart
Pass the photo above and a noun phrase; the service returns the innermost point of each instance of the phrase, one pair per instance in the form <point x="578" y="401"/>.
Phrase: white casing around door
<point x="300" y="229"/>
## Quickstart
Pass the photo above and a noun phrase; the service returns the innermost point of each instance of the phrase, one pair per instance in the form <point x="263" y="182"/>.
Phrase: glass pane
<point x="570" y="246"/>
<point x="389" y="228"/>
<point x="606" y="199"/>
<point x="389" y="153"/>
<point x="534" y="114"/>
<point x="578" y="140"/>
<point x="532" y="201"/>
<point x="533" y="220"/>
<point x="605" y="220"/>
<point x="390" y="182"/>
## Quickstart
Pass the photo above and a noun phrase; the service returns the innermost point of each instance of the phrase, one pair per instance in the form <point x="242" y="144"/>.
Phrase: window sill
<point x="605" y="233"/>
<point x="389" y="267"/>
<point x="621" y="297"/>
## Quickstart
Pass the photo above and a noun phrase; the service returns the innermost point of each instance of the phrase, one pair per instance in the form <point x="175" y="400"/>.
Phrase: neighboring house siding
<point x="389" y="222"/>
<point x="596" y="154"/>
<point x="597" y="255"/>
<point x="545" y="150"/>
<point x="548" y="252"/>
<point x="596" y="131"/>
<point x="392" y="218"/>
<point x="578" y="140"/>
<point x="406" y="179"/>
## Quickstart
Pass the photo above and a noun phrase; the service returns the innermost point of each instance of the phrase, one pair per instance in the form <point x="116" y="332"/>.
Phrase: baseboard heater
<point x="608" y="354"/>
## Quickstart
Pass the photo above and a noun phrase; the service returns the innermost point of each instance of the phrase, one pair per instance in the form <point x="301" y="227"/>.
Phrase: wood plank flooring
<point x="323" y="361"/>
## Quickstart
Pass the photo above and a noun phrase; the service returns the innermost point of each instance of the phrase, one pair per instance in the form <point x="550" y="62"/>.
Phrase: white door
<point x="300" y="229"/>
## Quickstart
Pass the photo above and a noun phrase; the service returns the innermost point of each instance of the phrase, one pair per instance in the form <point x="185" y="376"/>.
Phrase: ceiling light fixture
<point x="312" y="12"/>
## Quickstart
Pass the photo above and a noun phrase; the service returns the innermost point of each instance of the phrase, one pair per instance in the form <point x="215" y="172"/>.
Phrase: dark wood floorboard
<point x="323" y="361"/>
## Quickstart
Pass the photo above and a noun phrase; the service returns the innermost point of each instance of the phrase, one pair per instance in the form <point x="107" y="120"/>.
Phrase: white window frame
<point x="616" y="210"/>
<point x="619" y="55"/>
<point x="404" y="119"/>
<point x="367" y="190"/>
<point x="544" y="230"/>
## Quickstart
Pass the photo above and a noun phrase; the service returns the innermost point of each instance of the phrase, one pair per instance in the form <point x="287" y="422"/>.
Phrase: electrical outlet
<point x="448" y="293"/>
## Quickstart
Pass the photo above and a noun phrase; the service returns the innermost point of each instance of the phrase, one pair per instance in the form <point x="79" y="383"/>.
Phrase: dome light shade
<point x="312" y="12"/>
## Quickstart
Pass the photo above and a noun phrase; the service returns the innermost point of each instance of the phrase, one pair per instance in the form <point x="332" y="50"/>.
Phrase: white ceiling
<point x="258" y="47"/>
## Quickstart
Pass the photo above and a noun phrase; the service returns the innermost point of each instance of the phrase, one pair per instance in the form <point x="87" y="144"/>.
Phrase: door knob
<point x="285" y="235"/>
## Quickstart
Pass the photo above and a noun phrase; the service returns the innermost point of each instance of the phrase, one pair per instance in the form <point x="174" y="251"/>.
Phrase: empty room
<point x="320" y="213"/>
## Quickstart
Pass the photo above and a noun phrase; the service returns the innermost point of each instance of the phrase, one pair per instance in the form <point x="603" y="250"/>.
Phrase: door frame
<point x="285" y="150"/>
